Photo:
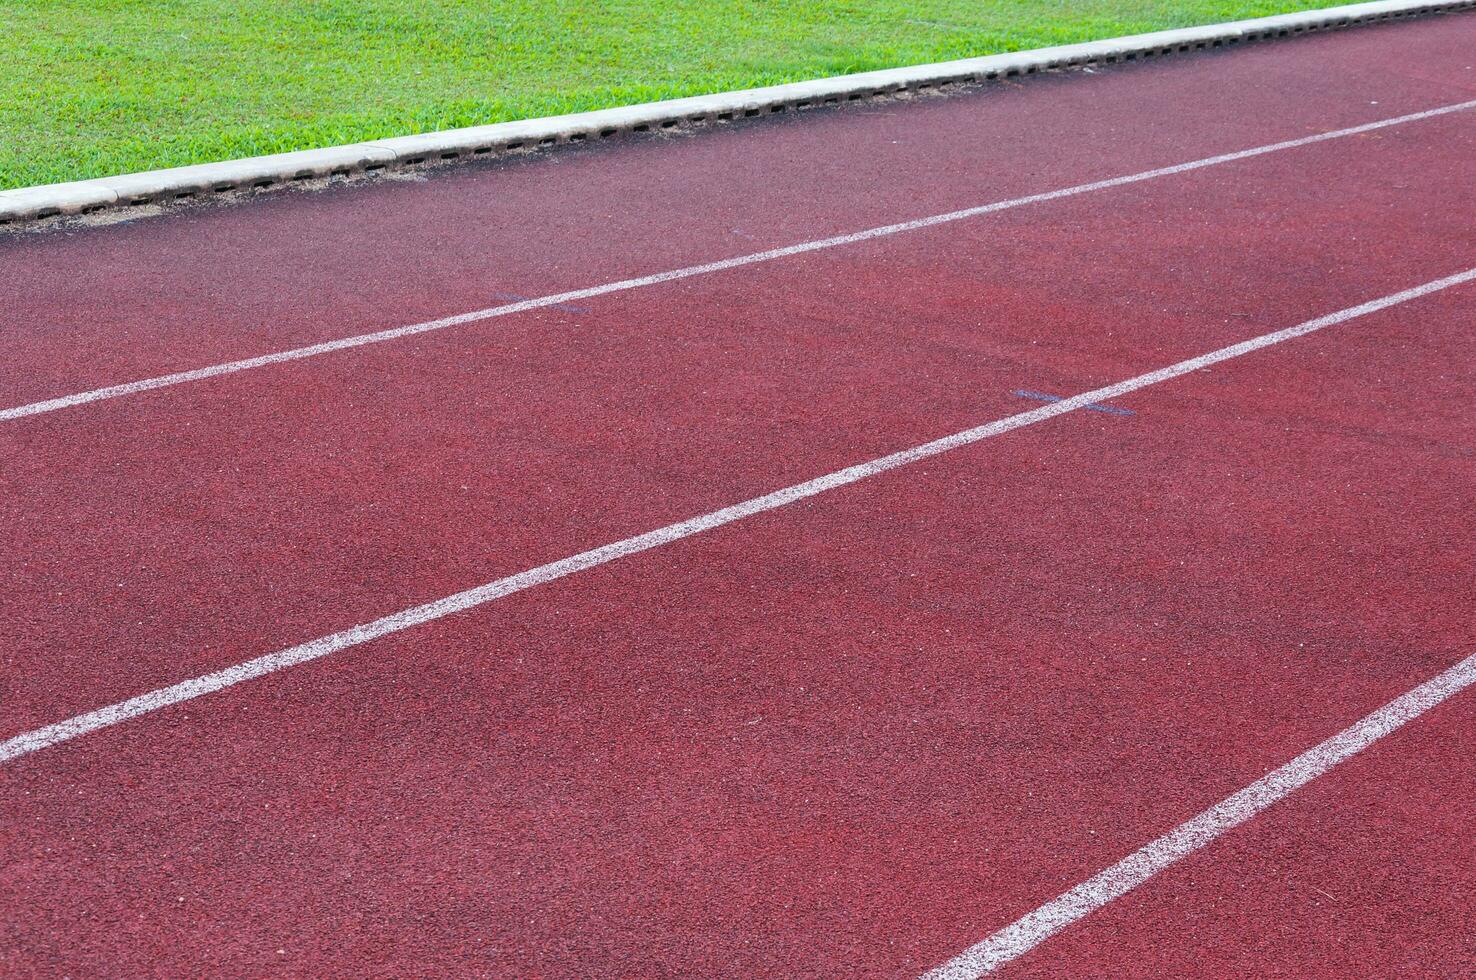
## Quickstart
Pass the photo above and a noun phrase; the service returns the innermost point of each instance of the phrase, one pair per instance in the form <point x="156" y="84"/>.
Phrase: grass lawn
<point x="96" y="87"/>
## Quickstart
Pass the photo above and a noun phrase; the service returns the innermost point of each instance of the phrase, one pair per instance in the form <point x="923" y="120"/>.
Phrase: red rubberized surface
<point x="852" y="736"/>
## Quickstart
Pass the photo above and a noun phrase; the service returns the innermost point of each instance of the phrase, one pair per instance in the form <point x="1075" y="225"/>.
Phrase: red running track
<point x="855" y="735"/>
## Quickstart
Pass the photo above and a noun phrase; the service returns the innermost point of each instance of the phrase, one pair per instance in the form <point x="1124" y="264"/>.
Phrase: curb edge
<point x="480" y="142"/>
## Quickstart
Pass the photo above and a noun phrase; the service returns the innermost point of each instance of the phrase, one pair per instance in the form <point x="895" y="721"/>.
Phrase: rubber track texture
<point x="851" y="737"/>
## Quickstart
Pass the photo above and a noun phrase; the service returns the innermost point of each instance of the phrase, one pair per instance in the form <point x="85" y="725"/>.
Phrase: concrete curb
<point x="477" y="142"/>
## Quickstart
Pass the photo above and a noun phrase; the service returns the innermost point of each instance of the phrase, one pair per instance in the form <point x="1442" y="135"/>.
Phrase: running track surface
<point x="856" y="734"/>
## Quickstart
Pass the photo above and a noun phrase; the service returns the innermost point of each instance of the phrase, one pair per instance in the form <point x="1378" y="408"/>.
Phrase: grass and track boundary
<point x="22" y="205"/>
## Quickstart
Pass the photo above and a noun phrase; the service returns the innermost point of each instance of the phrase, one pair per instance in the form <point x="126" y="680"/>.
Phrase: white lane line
<point x="395" y="333"/>
<point x="1023" y="935"/>
<point x="41" y="738"/>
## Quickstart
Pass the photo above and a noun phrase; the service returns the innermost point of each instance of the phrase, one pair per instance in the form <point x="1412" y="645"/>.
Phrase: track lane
<point x="831" y="740"/>
<point x="510" y="305"/>
<point x="255" y="519"/>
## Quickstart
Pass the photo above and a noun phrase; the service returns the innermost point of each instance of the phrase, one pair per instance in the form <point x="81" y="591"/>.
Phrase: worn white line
<point x="1023" y="935"/>
<point x="113" y="714"/>
<point x="395" y="333"/>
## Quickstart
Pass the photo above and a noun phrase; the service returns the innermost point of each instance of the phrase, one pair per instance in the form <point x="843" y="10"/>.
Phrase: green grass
<point x="96" y="87"/>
